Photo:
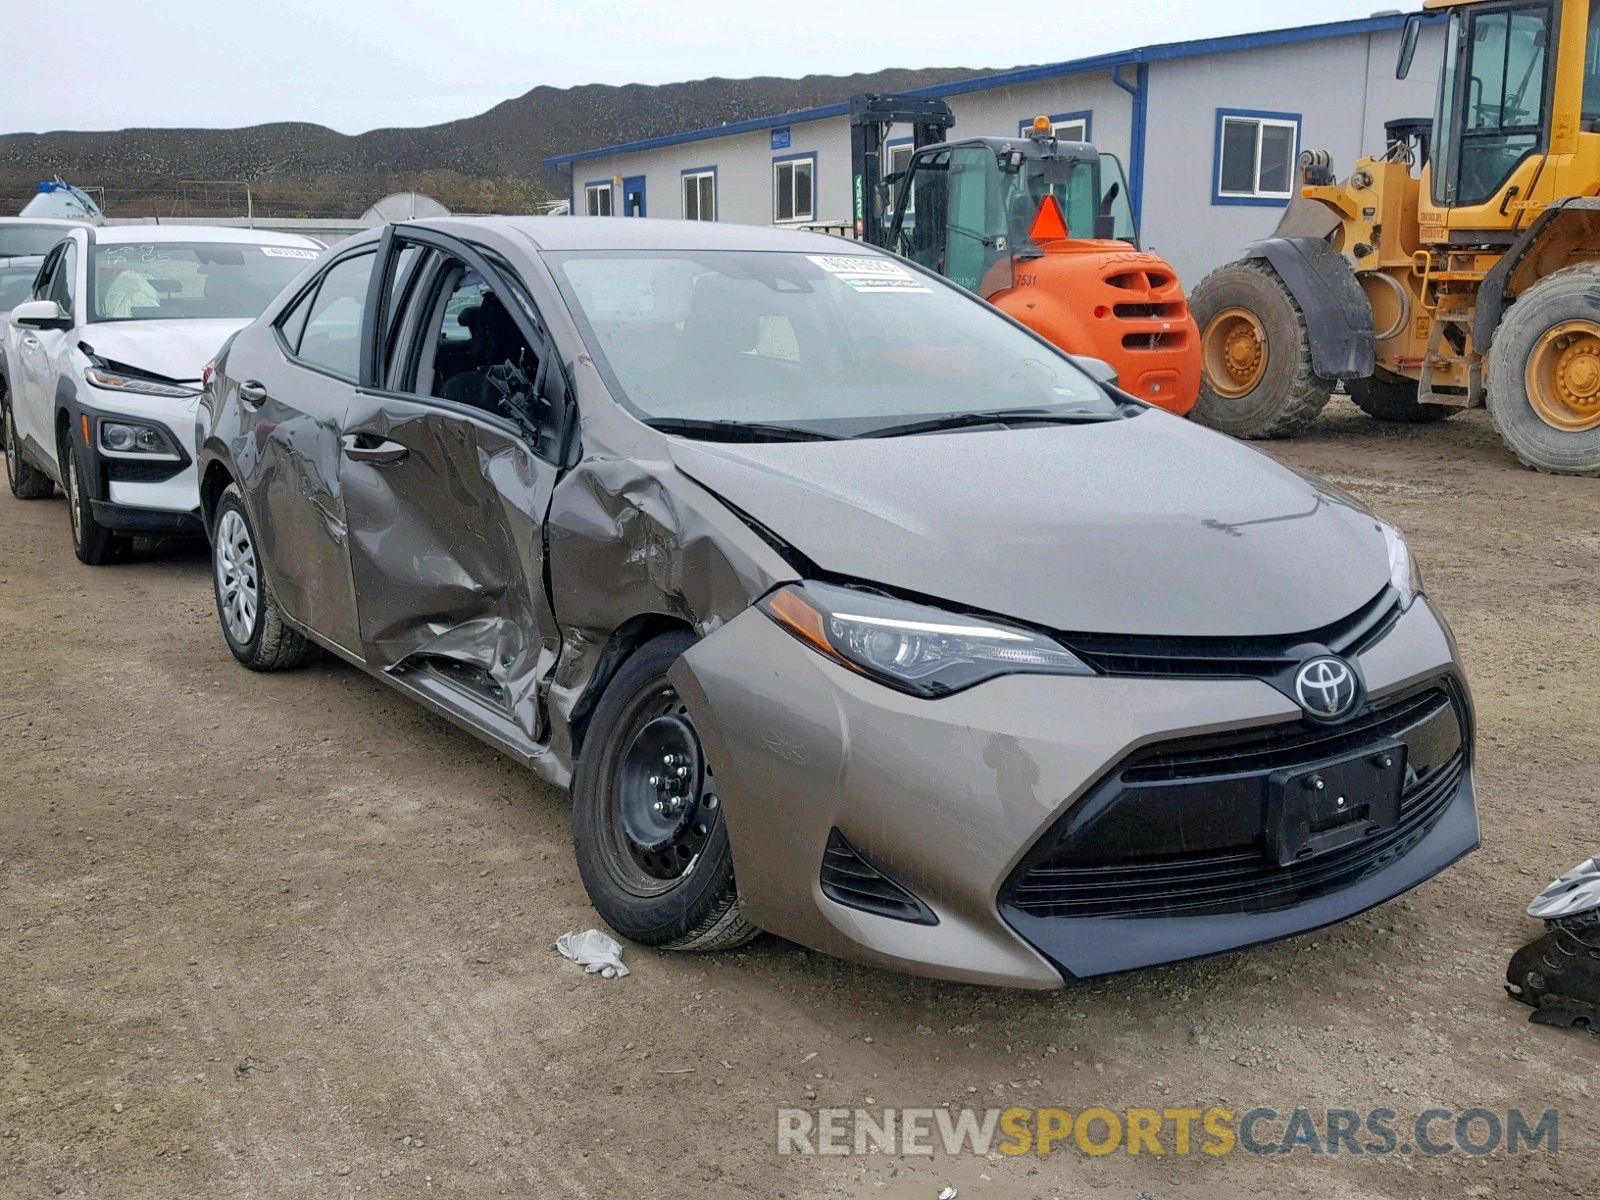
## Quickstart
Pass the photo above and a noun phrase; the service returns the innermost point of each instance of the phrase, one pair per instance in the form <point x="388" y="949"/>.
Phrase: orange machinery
<point x="1041" y="228"/>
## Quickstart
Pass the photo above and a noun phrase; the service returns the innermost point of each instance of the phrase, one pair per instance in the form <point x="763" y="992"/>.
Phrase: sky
<point x="356" y="65"/>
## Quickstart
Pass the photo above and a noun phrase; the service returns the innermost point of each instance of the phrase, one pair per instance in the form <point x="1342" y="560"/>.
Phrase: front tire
<point x="1544" y="373"/>
<point x="1256" y="378"/>
<point x="93" y="543"/>
<point x="252" y="620"/>
<point x="1394" y="398"/>
<point x="647" y="825"/>
<point x="26" y="480"/>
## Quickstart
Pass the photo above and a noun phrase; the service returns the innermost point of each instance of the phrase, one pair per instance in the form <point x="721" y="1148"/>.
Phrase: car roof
<point x="621" y="233"/>
<point x="47" y="222"/>
<point x="21" y="260"/>
<point x="116" y="235"/>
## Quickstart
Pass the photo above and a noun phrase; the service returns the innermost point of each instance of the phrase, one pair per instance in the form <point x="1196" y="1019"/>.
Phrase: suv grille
<point x="1127" y="849"/>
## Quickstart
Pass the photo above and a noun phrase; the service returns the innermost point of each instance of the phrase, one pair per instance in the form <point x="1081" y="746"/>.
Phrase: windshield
<point x="843" y="345"/>
<point x="18" y="239"/>
<point x="16" y="283"/>
<point x="163" y="281"/>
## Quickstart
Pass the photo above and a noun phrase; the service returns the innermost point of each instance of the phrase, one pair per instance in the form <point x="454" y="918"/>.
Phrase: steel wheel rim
<point x="1234" y="350"/>
<point x="238" y="577"/>
<point x="1563" y="377"/>
<point x="11" y="448"/>
<point x="74" y="502"/>
<point x="648" y="851"/>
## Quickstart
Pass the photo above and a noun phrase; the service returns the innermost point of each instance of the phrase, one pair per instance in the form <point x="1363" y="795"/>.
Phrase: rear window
<point x="163" y="281"/>
<point x="18" y="240"/>
<point x="16" y="285"/>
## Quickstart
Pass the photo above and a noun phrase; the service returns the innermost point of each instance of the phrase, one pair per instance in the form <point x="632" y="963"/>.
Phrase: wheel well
<point x="216" y="482"/>
<point x="620" y="646"/>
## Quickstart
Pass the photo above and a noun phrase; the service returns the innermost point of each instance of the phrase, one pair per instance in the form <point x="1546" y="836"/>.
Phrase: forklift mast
<point x="871" y="118"/>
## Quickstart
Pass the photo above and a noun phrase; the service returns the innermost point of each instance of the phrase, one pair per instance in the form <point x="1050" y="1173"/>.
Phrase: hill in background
<point x="491" y="162"/>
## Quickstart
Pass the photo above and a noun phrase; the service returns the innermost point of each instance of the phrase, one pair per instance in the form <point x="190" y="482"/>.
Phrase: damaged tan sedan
<point x="846" y="607"/>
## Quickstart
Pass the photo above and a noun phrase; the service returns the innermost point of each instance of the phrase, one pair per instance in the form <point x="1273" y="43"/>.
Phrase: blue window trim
<point x="716" y="189"/>
<point x="1087" y="117"/>
<point x="783" y="158"/>
<point x="1220" y="200"/>
<point x="610" y="184"/>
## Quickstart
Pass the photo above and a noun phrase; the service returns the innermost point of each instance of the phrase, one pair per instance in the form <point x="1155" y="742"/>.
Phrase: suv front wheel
<point x="93" y="543"/>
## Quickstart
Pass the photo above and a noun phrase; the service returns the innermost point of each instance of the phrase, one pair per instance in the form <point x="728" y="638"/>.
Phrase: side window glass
<point x="47" y="273"/>
<point x="473" y="352"/>
<point x="293" y="323"/>
<point x="396" y="290"/>
<point x="65" y="273"/>
<point x="332" y="337"/>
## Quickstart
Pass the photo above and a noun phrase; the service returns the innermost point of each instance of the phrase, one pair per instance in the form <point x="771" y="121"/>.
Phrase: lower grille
<point x="1179" y="830"/>
<point x="127" y="470"/>
<point x="850" y="880"/>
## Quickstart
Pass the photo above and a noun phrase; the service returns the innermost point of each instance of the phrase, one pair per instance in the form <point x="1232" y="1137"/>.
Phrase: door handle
<point x="253" y="392"/>
<point x="362" y="447"/>
<point x="30" y="341"/>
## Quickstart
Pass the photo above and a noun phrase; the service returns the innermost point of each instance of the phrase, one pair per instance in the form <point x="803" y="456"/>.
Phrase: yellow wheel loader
<point x="1460" y="268"/>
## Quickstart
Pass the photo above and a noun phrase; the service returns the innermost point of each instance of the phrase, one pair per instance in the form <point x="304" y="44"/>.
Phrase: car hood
<point x="171" y="349"/>
<point x="1146" y="526"/>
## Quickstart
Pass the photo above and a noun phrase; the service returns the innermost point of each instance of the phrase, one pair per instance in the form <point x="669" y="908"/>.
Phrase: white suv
<point x="103" y="369"/>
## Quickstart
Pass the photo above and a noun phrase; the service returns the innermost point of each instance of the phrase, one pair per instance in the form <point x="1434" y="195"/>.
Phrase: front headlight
<point x="1404" y="573"/>
<point x="925" y="651"/>
<point x="116" y="381"/>
<point x="134" y="439"/>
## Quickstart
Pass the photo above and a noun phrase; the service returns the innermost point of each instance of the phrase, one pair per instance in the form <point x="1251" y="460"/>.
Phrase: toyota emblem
<point x="1326" y="688"/>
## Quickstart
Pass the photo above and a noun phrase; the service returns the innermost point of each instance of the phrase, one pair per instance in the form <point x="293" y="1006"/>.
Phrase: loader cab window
<point x="1491" y="100"/>
<point x="1591" y="72"/>
<point x="961" y="227"/>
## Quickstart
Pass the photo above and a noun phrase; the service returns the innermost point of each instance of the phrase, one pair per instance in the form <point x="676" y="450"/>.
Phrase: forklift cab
<point x="966" y="209"/>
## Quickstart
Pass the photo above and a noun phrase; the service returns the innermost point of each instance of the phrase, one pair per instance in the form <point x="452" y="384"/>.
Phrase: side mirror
<point x="1097" y="369"/>
<point x="41" y="314"/>
<point x="1408" y="45"/>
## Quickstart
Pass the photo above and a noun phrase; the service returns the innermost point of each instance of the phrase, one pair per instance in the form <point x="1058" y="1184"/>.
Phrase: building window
<point x="794" y="189"/>
<point x="1066" y="127"/>
<point x="1256" y="155"/>
<point x="700" y="194"/>
<point x="598" y="198"/>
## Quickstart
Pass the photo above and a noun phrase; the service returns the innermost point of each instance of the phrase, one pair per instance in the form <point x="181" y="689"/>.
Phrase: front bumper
<point x="947" y="798"/>
<point x="152" y="497"/>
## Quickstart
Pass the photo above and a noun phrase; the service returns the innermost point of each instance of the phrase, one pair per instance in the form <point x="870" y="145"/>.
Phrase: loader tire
<point x="1544" y="373"/>
<point x="1256" y="379"/>
<point x="1394" y="398"/>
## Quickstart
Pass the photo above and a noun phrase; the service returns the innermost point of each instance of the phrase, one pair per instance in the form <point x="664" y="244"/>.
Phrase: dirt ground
<point x="290" y="936"/>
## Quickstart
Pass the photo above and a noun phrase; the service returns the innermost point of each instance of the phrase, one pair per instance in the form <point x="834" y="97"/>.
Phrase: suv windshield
<point x="841" y="345"/>
<point x="16" y="282"/>
<point x="163" y="281"/>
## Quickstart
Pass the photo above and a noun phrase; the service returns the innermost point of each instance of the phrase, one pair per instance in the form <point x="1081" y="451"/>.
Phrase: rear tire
<point x="26" y="480"/>
<point x="1256" y="379"/>
<point x="657" y="878"/>
<point x="94" y="544"/>
<point x="1394" y="398"/>
<point x="1544" y="373"/>
<point x="251" y="618"/>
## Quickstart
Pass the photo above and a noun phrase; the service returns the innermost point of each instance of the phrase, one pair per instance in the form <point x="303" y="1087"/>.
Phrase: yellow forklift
<point x="1459" y="268"/>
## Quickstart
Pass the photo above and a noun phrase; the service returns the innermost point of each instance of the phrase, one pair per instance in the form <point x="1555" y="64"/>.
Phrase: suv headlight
<point x="116" y="381"/>
<point x="1404" y="573"/>
<point x="921" y="650"/>
<point x="134" y="439"/>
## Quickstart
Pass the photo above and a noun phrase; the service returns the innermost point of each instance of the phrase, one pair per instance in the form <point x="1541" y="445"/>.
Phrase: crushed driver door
<point x="447" y="470"/>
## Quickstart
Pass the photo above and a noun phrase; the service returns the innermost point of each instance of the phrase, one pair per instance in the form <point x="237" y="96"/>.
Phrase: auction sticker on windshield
<point x="290" y="252"/>
<point x="868" y="274"/>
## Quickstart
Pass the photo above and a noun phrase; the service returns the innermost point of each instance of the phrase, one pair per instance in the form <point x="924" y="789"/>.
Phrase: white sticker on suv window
<point x="869" y="274"/>
<point x="289" y="252"/>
